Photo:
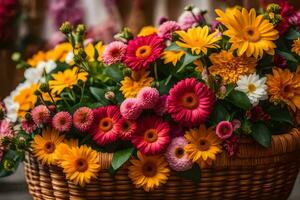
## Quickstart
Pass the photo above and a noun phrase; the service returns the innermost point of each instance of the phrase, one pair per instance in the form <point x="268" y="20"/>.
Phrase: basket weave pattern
<point x="255" y="173"/>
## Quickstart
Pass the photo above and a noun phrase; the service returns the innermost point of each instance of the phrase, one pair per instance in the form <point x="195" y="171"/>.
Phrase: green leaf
<point x="173" y="47"/>
<point x="262" y="134"/>
<point x="14" y="158"/>
<point x="219" y="114"/>
<point x="280" y="114"/>
<point x="188" y="58"/>
<point x="287" y="56"/>
<point x="239" y="99"/>
<point x="114" y="72"/>
<point x="120" y="157"/>
<point x="193" y="174"/>
<point x="292" y="34"/>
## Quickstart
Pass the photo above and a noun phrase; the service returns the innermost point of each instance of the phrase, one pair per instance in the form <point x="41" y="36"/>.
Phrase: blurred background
<point x="27" y="26"/>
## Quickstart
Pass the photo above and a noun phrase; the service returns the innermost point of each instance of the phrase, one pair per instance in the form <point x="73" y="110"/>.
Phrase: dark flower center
<point x="81" y="165"/>
<point x="149" y="169"/>
<point x="49" y="147"/>
<point x="106" y="124"/>
<point x="150" y="135"/>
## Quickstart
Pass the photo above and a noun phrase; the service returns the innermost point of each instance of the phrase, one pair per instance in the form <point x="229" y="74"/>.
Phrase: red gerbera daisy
<point x="152" y="135"/>
<point x="142" y="51"/>
<point x="104" y="127"/>
<point x="126" y="128"/>
<point x="190" y="102"/>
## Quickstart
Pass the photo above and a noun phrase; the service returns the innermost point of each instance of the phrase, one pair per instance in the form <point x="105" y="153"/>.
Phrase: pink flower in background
<point x="190" y="19"/>
<point x="6" y="129"/>
<point x="232" y="145"/>
<point x="40" y="114"/>
<point x="104" y="129"/>
<point x="236" y="124"/>
<point x="166" y="29"/>
<point x="28" y="126"/>
<point x="126" y="128"/>
<point x="142" y="51"/>
<point x="161" y="106"/>
<point x="83" y="118"/>
<point x="1" y="151"/>
<point x="176" y="156"/>
<point x="224" y="130"/>
<point x="130" y="109"/>
<point x="148" y="97"/>
<point x="114" y="52"/>
<point x="152" y="135"/>
<point x="62" y="121"/>
<point x="190" y="102"/>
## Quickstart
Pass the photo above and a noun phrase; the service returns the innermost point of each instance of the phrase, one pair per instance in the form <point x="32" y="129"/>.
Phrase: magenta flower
<point x="166" y="29"/>
<point x="114" y="52"/>
<point x="224" y="130"/>
<point x="62" y="121"/>
<point x="83" y="118"/>
<point x="40" y="114"/>
<point x="130" y="109"/>
<point x="148" y="97"/>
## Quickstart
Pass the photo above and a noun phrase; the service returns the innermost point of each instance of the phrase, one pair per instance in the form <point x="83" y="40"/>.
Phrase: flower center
<point x="125" y="126"/>
<point x="143" y="52"/>
<point x="251" y="34"/>
<point x="251" y="87"/>
<point x="83" y="117"/>
<point x="189" y="100"/>
<point x="81" y="165"/>
<point x="204" y="145"/>
<point x="106" y="124"/>
<point x="49" y="147"/>
<point x="179" y="152"/>
<point x="150" y="135"/>
<point x="149" y="169"/>
<point x="115" y="52"/>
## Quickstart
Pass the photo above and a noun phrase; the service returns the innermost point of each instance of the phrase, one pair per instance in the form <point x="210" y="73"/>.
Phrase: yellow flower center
<point x="204" y="145"/>
<point x="143" y="52"/>
<point x="251" y="87"/>
<point x="189" y="100"/>
<point x="106" y="124"/>
<point x="150" y="135"/>
<point x="81" y="165"/>
<point x="251" y="34"/>
<point x="149" y="169"/>
<point x="179" y="152"/>
<point x="49" y="147"/>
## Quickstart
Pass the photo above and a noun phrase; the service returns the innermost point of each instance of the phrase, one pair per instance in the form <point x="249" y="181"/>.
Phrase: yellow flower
<point x="148" y="172"/>
<point x="66" y="79"/>
<point x="132" y="85"/>
<point x="248" y="33"/>
<point x="26" y="99"/>
<point x="230" y="68"/>
<point x="296" y="46"/>
<point x="60" y="52"/>
<point x="64" y="147"/>
<point x="36" y="58"/>
<point x="81" y="165"/>
<point x="147" y="30"/>
<point x="90" y="51"/>
<point x="44" y="146"/>
<point x="172" y="56"/>
<point x="198" y="39"/>
<point x="203" y="145"/>
<point x="199" y="66"/>
<point x="284" y="85"/>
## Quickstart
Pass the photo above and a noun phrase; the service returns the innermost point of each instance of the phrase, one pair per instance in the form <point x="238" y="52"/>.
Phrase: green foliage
<point x="292" y="34"/>
<point x="279" y="114"/>
<point x="114" y="72"/>
<point x="193" y="174"/>
<point x="219" y="113"/>
<point x="262" y="134"/>
<point x="288" y="56"/>
<point x="120" y="157"/>
<point x="239" y="99"/>
<point x="188" y="58"/>
<point x="9" y="163"/>
<point x="99" y="94"/>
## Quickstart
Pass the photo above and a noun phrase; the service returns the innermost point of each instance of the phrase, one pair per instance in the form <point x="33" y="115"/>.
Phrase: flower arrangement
<point x="171" y="98"/>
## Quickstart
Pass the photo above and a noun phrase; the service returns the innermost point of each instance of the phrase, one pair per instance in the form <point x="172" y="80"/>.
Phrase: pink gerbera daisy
<point x="148" y="97"/>
<point x="142" y="51"/>
<point x="28" y="126"/>
<point x="40" y="114"/>
<point x="62" y="121"/>
<point x="152" y="135"/>
<point x="224" y="130"/>
<point x="104" y="129"/>
<point x="131" y="109"/>
<point x="167" y="28"/>
<point x="83" y="118"/>
<point x="114" y="52"/>
<point x="6" y="129"/>
<point x="126" y="128"/>
<point x="190" y="102"/>
<point x="177" y="157"/>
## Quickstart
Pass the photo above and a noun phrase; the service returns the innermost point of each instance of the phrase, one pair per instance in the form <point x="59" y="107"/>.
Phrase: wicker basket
<point x="256" y="173"/>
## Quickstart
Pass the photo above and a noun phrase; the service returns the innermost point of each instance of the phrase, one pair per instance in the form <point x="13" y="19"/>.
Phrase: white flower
<point x="69" y="57"/>
<point x="254" y="87"/>
<point x="47" y="66"/>
<point x="34" y="75"/>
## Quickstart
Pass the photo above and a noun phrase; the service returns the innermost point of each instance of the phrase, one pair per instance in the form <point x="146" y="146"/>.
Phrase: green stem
<point x="155" y="71"/>
<point x="168" y="79"/>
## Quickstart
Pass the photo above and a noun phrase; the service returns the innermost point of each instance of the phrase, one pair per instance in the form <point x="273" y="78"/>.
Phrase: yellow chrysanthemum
<point x="81" y="165"/>
<point x="90" y="51"/>
<point x="36" y="58"/>
<point x="26" y="99"/>
<point x="249" y="34"/>
<point x="148" y="172"/>
<point x="284" y="85"/>
<point x="60" y="52"/>
<point x="296" y="46"/>
<point x="44" y="146"/>
<point x="203" y="145"/>
<point x="66" y="79"/>
<point x="132" y="85"/>
<point x="198" y="39"/>
<point x="172" y="56"/>
<point x="230" y="68"/>
<point x="147" y="30"/>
